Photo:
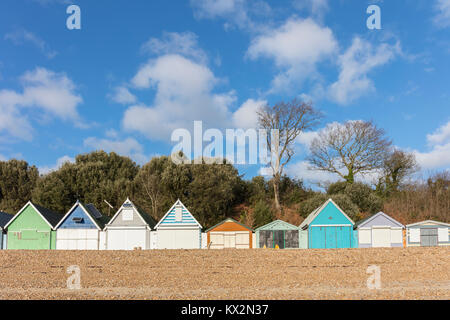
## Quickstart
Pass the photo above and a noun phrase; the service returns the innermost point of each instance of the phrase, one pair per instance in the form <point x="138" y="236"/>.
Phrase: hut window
<point x="77" y="219"/>
<point x="414" y="235"/>
<point x="178" y="213"/>
<point x="127" y="214"/>
<point x="443" y="234"/>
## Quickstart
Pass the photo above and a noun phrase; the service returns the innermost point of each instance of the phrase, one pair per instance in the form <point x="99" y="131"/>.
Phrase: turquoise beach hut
<point x="328" y="227"/>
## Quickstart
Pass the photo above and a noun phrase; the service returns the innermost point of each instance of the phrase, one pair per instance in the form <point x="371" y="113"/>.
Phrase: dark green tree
<point x="17" y="181"/>
<point x="262" y="214"/>
<point x="93" y="178"/>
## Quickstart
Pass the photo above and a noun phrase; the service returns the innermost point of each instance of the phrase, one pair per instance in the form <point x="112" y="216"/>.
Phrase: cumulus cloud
<point x="436" y="158"/>
<point x="295" y="47"/>
<point x="184" y="93"/>
<point x="233" y="10"/>
<point x="441" y="135"/>
<point x="22" y="36"/>
<point x="442" y="18"/>
<point x="355" y="64"/>
<point x="59" y="163"/>
<point x="302" y="170"/>
<point x="128" y="147"/>
<point x="438" y="155"/>
<point x="242" y="14"/>
<point x="246" y="116"/>
<point x="54" y="93"/>
<point x="185" y="44"/>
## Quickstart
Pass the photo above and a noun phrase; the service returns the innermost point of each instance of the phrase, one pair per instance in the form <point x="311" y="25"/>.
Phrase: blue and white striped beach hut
<point x="178" y="229"/>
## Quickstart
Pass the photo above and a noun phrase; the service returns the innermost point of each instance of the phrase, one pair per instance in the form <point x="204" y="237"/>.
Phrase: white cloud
<point x="306" y="138"/>
<point x="296" y="47"/>
<point x="441" y="135"/>
<point x="246" y="116"/>
<point x="442" y="18"/>
<point x="53" y="93"/>
<point x="439" y="154"/>
<point x="19" y="37"/>
<point x="438" y="157"/>
<point x="234" y="11"/>
<point x="184" y="93"/>
<point x="301" y="170"/>
<point x="122" y="95"/>
<point x="111" y="133"/>
<point x="243" y="14"/>
<point x="185" y="44"/>
<point x="59" y="163"/>
<point x="128" y="147"/>
<point x="355" y="64"/>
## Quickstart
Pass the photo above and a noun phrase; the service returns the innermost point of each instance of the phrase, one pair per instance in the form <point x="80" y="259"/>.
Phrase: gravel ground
<point x="406" y="273"/>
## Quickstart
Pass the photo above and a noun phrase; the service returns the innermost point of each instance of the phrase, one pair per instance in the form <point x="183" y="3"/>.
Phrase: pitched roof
<point x="4" y="218"/>
<point x="285" y="224"/>
<point x="95" y="215"/>
<point x="428" y="221"/>
<point x="178" y="203"/>
<point x="370" y="218"/>
<point x="92" y="212"/>
<point x="316" y="212"/>
<point x="148" y="219"/>
<point x="92" y="209"/>
<point x="311" y="216"/>
<point x="229" y="220"/>
<point x="52" y="217"/>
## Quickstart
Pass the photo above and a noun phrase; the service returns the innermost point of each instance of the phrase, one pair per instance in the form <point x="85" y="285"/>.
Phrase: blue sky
<point x="139" y="69"/>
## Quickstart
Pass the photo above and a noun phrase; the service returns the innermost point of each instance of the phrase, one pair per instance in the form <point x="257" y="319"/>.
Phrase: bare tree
<point x="355" y="147"/>
<point x="397" y="166"/>
<point x="151" y="186"/>
<point x="290" y="119"/>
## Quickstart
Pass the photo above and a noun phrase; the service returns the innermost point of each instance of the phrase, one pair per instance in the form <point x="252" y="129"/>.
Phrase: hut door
<point x="230" y="240"/>
<point x="265" y="239"/>
<point x="428" y="237"/>
<point x="278" y="239"/>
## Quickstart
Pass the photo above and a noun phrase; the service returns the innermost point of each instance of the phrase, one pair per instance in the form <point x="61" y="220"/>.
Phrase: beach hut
<point x="33" y="227"/>
<point x="129" y="228"/>
<point x="80" y="228"/>
<point x="427" y="233"/>
<point x="278" y="234"/>
<point x="230" y="234"/>
<point x="328" y="227"/>
<point x="178" y="229"/>
<point x="4" y="219"/>
<point x="380" y="230"/>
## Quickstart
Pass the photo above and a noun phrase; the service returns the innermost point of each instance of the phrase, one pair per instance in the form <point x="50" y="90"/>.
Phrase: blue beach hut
<point x="328" y="227"/>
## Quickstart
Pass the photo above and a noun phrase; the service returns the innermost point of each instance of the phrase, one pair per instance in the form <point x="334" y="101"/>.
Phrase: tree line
<point x="211" y="191"/>
<point x="215" y="191"/>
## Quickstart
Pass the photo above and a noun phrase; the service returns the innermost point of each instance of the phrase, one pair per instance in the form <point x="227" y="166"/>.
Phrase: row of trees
<point x="215" y="191"/>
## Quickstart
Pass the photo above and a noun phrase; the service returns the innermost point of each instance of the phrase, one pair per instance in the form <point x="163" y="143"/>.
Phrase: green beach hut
<point x="33" y="227"/>
<point x="278" y="234"/>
